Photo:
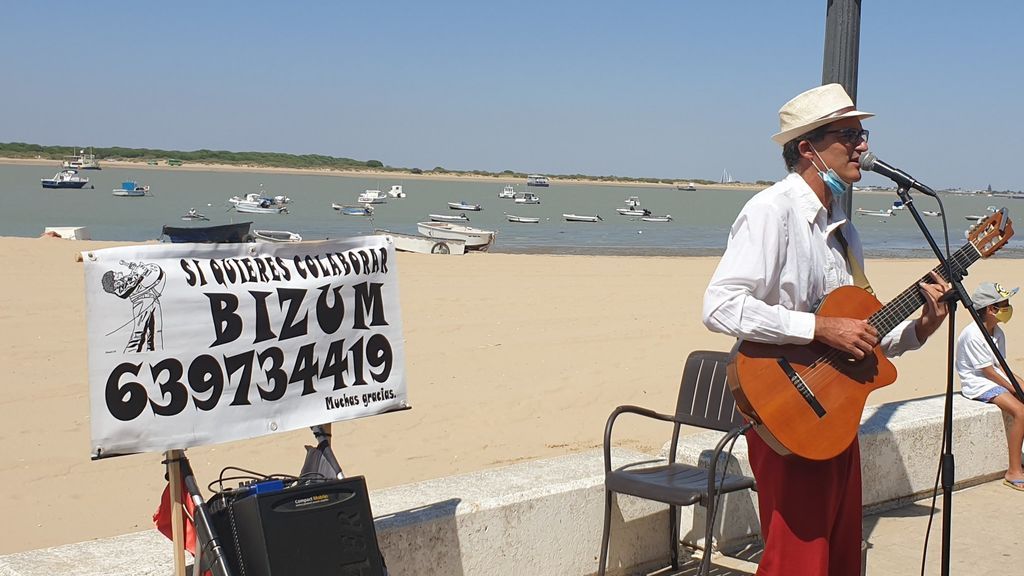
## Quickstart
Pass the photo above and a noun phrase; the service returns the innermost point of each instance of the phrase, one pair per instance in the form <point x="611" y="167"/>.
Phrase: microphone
<point x="871" y="163"/>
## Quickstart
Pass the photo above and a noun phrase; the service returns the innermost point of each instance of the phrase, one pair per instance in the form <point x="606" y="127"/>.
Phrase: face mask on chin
<point x="835" y="184"/>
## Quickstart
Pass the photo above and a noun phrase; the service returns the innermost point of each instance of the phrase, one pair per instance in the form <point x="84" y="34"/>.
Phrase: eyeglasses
<point x="850" y="136"/>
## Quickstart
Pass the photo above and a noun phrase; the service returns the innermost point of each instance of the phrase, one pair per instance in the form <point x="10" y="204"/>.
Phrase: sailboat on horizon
<point x="726" y="177"/>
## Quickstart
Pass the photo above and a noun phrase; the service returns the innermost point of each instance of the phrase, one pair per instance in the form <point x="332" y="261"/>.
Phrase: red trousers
<point x="810" y="512"/>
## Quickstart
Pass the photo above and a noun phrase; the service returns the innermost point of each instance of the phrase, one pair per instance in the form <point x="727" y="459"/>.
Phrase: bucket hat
<point x="813" y="108"/>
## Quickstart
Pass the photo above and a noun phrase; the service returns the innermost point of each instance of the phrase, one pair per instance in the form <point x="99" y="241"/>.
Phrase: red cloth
<point x="810" y="512"/>
<point x="162" y="517"/>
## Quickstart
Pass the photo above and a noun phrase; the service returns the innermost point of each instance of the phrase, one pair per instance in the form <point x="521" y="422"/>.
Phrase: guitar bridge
<point x="802" y="388"/>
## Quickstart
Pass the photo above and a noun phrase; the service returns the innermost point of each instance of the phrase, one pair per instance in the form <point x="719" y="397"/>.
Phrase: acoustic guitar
<point x="807" y="400"/>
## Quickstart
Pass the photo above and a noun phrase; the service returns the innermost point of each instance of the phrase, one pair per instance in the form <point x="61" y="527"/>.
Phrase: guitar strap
<point x="859" y="279"/>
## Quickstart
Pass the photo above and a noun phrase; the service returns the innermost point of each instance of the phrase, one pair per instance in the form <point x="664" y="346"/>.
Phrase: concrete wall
<point x="900" y="448"/>
<point x="544" y="517"/>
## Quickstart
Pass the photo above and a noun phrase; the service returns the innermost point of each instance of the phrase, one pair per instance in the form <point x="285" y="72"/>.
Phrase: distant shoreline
<point x="368" y="173"/>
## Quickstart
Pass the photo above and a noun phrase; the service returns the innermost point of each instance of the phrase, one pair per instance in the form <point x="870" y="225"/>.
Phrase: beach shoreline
<point x="509" y="357"/>
<point x="368" y="173"/>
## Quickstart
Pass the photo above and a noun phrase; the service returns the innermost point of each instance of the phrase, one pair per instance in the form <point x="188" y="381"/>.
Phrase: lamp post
<point x="842" y="53"/>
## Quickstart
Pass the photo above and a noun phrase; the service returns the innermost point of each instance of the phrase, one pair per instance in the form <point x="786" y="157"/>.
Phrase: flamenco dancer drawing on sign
<point x="142" y="284"/>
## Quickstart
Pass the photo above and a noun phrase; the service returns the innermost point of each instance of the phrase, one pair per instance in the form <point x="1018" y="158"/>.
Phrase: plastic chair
<point x="704" y="401"/>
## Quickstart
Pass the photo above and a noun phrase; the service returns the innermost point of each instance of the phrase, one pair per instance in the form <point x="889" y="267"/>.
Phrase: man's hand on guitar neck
<point x="855" y="337"/>
<point x="935" y="311"/>
<point x="858" y="337"/>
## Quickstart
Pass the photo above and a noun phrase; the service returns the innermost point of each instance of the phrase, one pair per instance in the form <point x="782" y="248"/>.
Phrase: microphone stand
<point x="957" y="294"/>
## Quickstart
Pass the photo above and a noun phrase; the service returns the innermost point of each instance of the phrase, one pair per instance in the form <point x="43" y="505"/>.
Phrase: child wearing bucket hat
<point x="981" y="376"/>
<point x="790" y="245"/>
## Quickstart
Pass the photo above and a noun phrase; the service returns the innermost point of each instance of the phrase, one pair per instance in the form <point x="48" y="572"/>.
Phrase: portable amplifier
<point x="322" y="529"/>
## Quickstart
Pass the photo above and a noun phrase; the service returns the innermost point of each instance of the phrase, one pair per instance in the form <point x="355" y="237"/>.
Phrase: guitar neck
<point x="901" y="307"/>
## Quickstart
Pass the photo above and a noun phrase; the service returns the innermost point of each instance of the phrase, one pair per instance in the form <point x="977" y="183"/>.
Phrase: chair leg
<point x="673" y="535"/>
<point x="606" y="533"/>
<point x="709" y="527"/>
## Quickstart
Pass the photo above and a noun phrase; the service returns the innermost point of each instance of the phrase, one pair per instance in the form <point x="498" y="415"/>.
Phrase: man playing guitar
<point x="791" y="245"/>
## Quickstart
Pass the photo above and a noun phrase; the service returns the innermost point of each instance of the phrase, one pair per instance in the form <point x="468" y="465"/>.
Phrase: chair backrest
<point x="704" y="396"/>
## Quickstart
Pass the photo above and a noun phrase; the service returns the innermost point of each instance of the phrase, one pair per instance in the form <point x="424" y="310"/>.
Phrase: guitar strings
<point x="888" y="314"/>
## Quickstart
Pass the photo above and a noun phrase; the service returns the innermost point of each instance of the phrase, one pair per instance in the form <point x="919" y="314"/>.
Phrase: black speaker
<point x="317" y="529"/>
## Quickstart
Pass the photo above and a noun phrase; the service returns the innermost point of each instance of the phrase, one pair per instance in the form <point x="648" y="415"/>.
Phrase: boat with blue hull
<point x="65" y="179"/>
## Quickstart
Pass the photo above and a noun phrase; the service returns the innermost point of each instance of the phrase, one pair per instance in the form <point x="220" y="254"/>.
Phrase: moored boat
<point x="507" y="192"/>
<point x="193" y="214"/>
<point x="81" y="161"/>
<point x="449" y="218"/>
<point x="581" y="218"/>
<point x="131" y="189"/>
<point x="537" y="180"/>
<point x="463" y="205"/>
<point x="65" y="179"/>
<point x="866" y="212"/>
<point x="396" y="191"/>
<point x="521" y="219"/>
<point x="256" y="203"/>
<point x="238" y="232"/>
<point x="526" y="198"/>
<point x="665" y="218"/>
<point x="475" y="238"/>
<point x="689" y="186"/>
<point x="275" y="236"/>
<point x="372" y="197"/>
<point x="353" y="210"/>
<point x="633" y="211"/>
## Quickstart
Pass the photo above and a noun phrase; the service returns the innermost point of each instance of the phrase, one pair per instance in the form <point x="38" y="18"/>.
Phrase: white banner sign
<point x="193" y="344"/>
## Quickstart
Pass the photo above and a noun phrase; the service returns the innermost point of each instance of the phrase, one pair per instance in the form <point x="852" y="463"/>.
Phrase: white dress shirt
<point x="781" y="260"/>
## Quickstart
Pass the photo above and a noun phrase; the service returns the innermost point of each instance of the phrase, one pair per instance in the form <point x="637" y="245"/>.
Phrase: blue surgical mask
<point x="837" y="185"/>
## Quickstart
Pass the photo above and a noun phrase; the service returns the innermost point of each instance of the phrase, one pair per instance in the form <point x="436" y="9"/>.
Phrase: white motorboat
<point x="581" y="218"/>
<point x="883" y="213"/>
<point x="689" y="186"/>
<point x="463" y="205"/>
<point x="449" y="218"/>
<point x="526" y="198"/>
<point x="353" y="210"/>
<point x="257" y="209"/>
<point x="131" y="189"/>
<point x="633" y="211"/>
<point x="255" y="203"/>
<point x="536" y="180"/>
<point x="633" y="208"/>
<point x="665" y="218"/>
<point x="193" y="214"/>
<point x="396" y="191"/>
<point x="275" y="236"/>
<point x="65" y="179"/>
<point x="81" y="161"/>
<point x="372" y="197"/>
<point x="475" y="238"/>
<point x="507" y="192"/>
<point x="935" y="213"/>
<point x="424" y="244"/>
<point x="522" y="219"/>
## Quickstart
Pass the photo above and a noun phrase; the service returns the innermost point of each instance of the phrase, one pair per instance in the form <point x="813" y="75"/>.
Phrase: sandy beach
<point x="509" y="358"/>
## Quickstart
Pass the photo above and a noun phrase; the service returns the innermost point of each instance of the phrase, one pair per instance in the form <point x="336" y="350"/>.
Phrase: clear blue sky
<point x="660" y="88"/>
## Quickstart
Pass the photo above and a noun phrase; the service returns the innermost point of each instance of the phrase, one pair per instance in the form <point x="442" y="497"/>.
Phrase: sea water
<point x="700" y="224"/>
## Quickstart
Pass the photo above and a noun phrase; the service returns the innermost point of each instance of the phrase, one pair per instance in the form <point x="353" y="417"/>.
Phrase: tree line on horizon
<point x="282" y="160"/>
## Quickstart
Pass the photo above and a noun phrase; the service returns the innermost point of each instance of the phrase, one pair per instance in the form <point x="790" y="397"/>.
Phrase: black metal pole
<point x="842" y="54"/>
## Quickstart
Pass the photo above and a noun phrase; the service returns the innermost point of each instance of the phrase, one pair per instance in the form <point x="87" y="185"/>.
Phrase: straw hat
<point x="813" y="108"/>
